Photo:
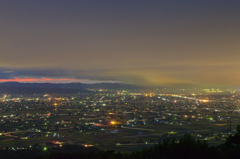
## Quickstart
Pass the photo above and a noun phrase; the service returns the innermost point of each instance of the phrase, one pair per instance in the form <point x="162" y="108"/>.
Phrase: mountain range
<point x="29" y="88"/>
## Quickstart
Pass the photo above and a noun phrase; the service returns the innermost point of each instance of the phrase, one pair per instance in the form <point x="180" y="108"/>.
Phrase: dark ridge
<point x="30" y="88"/>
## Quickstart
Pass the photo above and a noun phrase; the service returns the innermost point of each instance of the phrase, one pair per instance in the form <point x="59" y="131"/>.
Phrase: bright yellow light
<point x="112" y="122"/>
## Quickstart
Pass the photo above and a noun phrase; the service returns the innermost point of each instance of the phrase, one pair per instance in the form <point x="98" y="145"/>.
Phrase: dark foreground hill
<point x="187" y="147"/>
<point x="39" y="152"/>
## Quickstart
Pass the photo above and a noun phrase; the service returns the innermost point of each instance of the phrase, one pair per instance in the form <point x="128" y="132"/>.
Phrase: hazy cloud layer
<point x="150" y="43"/>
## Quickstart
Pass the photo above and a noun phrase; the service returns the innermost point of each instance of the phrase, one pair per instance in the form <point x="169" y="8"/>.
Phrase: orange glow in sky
<point x="180" y="44"/>
<point x="26" y="79"/>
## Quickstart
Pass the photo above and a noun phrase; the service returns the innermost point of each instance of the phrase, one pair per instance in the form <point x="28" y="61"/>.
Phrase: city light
<point x="120" y="79"/>
<point x="112" y="122"/>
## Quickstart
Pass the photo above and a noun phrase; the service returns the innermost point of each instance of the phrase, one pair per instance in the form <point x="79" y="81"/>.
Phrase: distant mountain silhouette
<point x="29" y="88"/>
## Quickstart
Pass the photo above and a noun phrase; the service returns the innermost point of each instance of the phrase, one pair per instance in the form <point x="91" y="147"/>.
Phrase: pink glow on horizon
<point x="26" y="79"/>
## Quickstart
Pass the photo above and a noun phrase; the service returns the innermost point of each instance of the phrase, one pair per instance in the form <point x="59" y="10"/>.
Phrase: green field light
<point x="45" y="149"/>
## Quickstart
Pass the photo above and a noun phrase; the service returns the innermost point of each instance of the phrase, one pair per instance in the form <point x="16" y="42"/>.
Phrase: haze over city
<point x="147" y="43"/>
<point x="119" y="79"/>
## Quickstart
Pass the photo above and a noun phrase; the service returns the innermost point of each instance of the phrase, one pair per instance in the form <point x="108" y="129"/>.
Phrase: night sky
<point x="143" y="42"/>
